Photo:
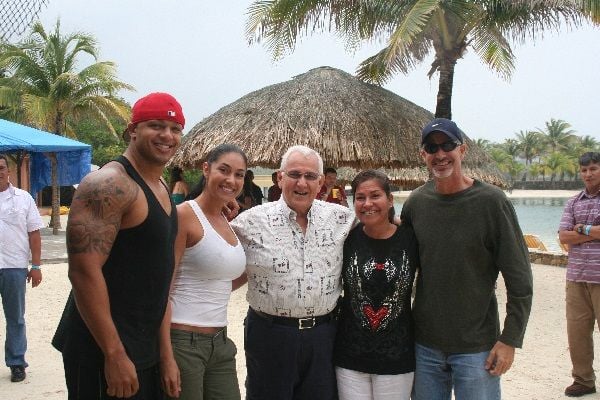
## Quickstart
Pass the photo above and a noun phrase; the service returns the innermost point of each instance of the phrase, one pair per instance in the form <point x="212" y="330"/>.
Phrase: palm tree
<point x="514" y="168"/>
<point x="558" y="134"/>
<point x="589" y="143"/>
<point x="415" y="28"/>
<point x="535" y="170"/>
<point x="557" y="163"/>
<point x="529" y="144"/>
<point x="511" y="147"/>
<point x="43" y="87"/>
<point x="483" y="144"/>
<point x="572" y="152"/>
<point x="501" y="158"/>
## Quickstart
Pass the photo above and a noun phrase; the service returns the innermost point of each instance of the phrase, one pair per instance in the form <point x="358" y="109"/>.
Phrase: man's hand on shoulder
<point x="500" y="359"/>
<point x="231" y="210"/>
<point x="97" y="210"/>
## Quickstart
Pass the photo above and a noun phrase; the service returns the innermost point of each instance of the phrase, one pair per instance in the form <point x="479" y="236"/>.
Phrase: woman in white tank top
<point x="197" y="358"/>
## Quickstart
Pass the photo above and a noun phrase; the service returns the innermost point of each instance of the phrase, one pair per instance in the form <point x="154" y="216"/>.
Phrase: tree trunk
<point x="443" y="107"/>
<point x="55" y="219"/>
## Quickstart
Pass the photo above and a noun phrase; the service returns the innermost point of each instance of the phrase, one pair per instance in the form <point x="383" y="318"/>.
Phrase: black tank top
<point x="138" y="274"/>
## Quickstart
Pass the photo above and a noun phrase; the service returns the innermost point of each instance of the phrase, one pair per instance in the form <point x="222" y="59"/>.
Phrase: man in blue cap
<point x="467" y="233"/>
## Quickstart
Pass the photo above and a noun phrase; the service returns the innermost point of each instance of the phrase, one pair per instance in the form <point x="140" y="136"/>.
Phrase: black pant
<point x="88" y="382"/>
<point x="287" y="363"/>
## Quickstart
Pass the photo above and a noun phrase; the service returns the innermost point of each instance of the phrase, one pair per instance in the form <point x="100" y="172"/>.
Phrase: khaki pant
<point x="583" y="310"/>
<point x="206" y="364"/>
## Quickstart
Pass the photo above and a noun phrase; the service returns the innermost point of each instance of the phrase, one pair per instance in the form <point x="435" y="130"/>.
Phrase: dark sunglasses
<point x="296" y="175"/>
<point x="589" y="157"/>
<point x="432" y="148"/>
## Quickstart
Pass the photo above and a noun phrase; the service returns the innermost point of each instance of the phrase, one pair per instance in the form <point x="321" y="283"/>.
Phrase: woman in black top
<point x="374" y="350"/>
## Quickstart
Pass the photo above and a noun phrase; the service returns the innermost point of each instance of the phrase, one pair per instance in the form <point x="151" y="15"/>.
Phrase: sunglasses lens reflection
<point x="432" y="148"/>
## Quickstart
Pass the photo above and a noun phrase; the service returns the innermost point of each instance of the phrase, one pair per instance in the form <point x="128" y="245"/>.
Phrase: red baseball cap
<point x="161" y="106"/>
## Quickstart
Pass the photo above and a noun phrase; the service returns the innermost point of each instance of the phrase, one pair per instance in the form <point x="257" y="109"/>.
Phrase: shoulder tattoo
<point x="96" y="213"/>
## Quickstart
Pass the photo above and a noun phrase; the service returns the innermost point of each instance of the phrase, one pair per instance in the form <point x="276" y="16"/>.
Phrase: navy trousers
<point x="287" y="363"/>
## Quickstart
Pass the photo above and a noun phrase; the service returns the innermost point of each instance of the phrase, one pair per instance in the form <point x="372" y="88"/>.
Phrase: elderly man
<point x="580" y="228"/>
<point x="467" y="233"/>
<point x="20" y="225"/>
<point x="120" y="240"/>
<point x="294" y="260"/>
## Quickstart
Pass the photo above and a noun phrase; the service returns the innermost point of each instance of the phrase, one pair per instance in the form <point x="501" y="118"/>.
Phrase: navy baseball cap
<point x="442" y="125"/>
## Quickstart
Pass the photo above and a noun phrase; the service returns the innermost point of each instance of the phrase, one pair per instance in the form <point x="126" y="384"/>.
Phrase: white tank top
<point x="202" y="285"/>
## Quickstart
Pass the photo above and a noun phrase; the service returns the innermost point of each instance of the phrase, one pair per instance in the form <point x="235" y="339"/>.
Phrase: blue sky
<point x="197" y="51"/>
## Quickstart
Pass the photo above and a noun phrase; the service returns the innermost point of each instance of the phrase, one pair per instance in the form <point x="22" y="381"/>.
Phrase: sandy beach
<point x="541" y="369"/>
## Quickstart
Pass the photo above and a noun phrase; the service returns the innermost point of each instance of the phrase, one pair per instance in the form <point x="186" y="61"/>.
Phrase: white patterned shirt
<point x="18" y="216"/>
<point x="290" y="273"/>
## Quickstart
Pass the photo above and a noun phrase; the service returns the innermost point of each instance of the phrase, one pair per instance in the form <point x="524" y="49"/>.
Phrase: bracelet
<point x="587" y="229"/>
<point x="35" y="267"/>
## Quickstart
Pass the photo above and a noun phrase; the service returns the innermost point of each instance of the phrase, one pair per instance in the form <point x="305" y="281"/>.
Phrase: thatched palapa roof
<point x="349" y="122"/>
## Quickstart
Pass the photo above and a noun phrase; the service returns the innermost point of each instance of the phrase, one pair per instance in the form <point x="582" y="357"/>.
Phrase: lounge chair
<point x="534" y="242"/>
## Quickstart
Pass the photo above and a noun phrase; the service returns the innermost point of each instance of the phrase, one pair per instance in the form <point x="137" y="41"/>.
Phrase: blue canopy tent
<point x="73" y="158"/>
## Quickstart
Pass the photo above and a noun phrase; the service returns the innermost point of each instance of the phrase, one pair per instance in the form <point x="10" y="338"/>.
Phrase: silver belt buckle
<point x="306" y="323"/>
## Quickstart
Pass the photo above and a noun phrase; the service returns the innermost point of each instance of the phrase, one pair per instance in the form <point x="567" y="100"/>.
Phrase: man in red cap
<point x="120" y="238"/>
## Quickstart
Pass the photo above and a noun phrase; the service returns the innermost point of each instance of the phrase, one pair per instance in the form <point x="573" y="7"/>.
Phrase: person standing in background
<point x="274" y="191"/>
<point x="179" y="188"/>
<point x="20" y="225"/>
<point x="330" y="192"/>
<point x="257" y="193"/>
<point x="580" y="229"/>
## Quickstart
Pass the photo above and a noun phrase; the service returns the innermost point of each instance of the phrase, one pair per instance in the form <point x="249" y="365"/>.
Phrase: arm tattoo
<point x="96" y="212"/>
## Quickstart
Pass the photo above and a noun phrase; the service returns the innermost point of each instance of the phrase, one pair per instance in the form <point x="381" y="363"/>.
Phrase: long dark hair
<point x="212" y="157"/>
<point x="224" y="148"/>
<point x="379" y="177"/>
<point x="197" y="188"/>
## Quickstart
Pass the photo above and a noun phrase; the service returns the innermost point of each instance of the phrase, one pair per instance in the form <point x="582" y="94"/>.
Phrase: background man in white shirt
<point x="293" y="260"/>
<point x="20" y="224"/>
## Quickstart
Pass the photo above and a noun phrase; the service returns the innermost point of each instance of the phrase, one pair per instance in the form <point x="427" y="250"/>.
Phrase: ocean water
<point x="541" y="216"/>
<point x="538" y="216"/>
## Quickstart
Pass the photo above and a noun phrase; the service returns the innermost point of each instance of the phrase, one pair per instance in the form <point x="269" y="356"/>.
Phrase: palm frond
<point x="39" y="111"/>
<point x="375" y="69"/>
<point x="280" y="22"/>
<point x="410" y="28"/>
<point x="494" y="50"/>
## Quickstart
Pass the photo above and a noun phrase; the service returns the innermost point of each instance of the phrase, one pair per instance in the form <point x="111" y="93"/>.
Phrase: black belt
<point x="300" y="323"/>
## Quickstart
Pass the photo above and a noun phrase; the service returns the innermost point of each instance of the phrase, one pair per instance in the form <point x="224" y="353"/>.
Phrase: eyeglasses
<point x="589" y="157"/>
<point x="432" y="148"/>
<point x="296" y="175"/>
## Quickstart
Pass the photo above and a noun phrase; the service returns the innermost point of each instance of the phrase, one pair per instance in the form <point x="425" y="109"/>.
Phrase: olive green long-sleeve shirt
<point x="465" y="239"/>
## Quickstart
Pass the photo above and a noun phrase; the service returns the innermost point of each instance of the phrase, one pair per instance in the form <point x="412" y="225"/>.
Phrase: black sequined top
<point x="375" y="333"/>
